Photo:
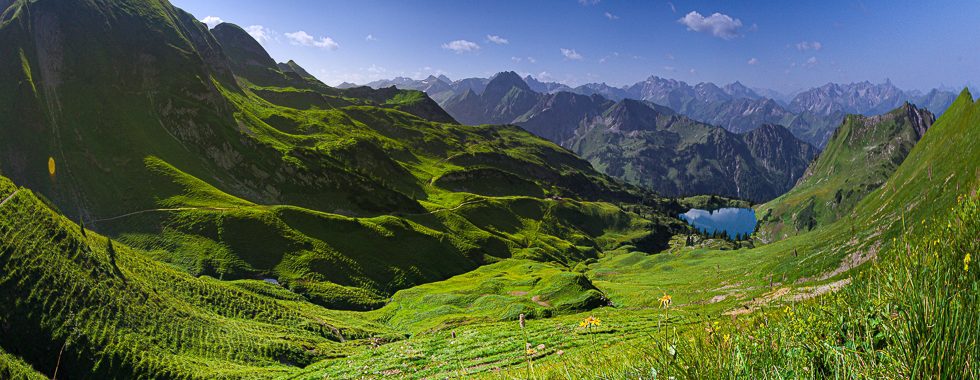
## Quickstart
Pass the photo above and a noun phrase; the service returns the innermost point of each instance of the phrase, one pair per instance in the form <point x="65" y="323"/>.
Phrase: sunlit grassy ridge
<point x="13" y="368"/>
<point x="115" y="311"/>
<point x="210" y="156"/>
<point x="861" y="155"/>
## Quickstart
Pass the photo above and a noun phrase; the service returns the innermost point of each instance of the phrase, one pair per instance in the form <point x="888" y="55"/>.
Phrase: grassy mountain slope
<point x="910" y="313"/>
<point x="113" y="311"/>
<point x="211" y="181"/>
<point x="780" y="292"/>
<point x="207" y="154"/>
<point x="860" y="157"/>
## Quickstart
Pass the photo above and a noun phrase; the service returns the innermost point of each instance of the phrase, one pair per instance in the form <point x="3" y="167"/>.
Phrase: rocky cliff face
<point x="811" y="115"/>
<point x="646" y="143"/>
<point x="858" y="98"/>
<point x="779" y="153"/>
<point x="652" y="146"/>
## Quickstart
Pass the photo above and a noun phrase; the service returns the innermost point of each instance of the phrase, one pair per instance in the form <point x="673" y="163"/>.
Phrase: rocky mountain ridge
<point x="811" y="114"/>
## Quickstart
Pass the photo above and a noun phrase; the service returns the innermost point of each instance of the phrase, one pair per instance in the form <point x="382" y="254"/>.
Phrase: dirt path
<point x="167" y="209"/>
<point x="457" y="207"/>
<point x="9" y="197"/>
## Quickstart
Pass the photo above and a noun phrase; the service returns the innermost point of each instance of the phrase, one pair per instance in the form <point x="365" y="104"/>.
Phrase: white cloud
<point x="606" y="58"/>
<point x="753" y="61"/>
<point x="497" y="39"/>
<point x="516" y="59"/>
<point x="670" y="68"/>
<point x="571" y="54"/>
<point x="532" y="60"/>
<point x="461" y="46"/>
<point x="809" y="45"/>
<point x="719" y="25"/>
<point x="370" y="37"/>
<point x="589" y="2"/>
<point x="811" y="62"/>
<point x="212" y="21"/>
<point x="260" y="33"/>
<point x="672" y="7"/>
<point x="611" y="16"/>
<point x="305" y="39"/>
<point x="693" y="71"/>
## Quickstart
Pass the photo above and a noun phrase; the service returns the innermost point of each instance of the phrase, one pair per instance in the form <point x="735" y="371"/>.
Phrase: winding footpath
<point x="167" y="209"/>
<point x="9" y="197"/>
<point x="457" y="207"/>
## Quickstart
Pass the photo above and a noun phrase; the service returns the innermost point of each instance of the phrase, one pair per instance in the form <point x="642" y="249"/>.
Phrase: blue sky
<point x="783" y="45"/>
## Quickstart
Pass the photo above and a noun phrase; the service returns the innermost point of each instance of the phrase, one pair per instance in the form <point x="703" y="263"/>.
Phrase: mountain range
<point x="811" y="115"/>
<point x="642" y="142"/>
<point x="175" y="204"/>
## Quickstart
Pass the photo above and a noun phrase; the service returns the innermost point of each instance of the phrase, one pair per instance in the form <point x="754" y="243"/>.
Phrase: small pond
<point x="740" y="221"/>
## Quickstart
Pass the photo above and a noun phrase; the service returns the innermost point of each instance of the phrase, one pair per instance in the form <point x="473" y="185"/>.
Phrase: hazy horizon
<point x="784" y="47"/>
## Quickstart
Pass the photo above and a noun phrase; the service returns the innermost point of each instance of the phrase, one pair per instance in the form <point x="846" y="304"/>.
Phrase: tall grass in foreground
<point x="912" y="313"/>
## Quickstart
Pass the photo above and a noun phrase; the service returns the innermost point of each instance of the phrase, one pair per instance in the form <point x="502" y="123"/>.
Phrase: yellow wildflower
<point x="51" y="165"/>
<point x="966" y="263"/>
<point x="531" y="351"/>
<point x="665" y="301"/>
<point x="591" y="321"/>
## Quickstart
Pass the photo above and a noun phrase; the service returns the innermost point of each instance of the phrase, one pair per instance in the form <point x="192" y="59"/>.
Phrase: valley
<point x="175" y="203"/>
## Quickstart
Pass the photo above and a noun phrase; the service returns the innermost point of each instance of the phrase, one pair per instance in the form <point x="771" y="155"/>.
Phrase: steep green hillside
<point x="105" y="310"/>
<point x="910" y="312"/>
<point x="859" y="158"/>
<point x="14" y="368"/>
<point x="207" y="154"/>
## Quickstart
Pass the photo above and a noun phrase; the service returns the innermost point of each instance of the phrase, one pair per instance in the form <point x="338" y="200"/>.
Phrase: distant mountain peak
<point x="503" y="82"/>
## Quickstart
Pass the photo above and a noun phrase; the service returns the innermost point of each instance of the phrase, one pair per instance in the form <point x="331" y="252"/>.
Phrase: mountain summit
<point x="643" y="142"/>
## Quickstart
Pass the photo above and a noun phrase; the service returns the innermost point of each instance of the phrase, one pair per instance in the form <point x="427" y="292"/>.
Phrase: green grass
<point x="859" y="158"/>
<point x="127" y="313"/>
<point x="14" y="368"/>
<point x="911" y="314"/>
<point x="210" y="183"/>
<point x="816" y="319"/>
